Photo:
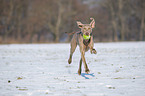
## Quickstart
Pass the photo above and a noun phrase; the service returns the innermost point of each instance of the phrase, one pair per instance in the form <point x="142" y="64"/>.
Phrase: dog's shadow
<point x="85" y="75"/>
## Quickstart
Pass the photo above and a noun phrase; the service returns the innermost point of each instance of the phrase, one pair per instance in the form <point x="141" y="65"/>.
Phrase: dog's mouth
<point x="86" y="37"/>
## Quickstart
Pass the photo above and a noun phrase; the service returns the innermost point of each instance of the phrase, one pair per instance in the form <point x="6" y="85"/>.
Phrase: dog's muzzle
<point x="86" y="37"/>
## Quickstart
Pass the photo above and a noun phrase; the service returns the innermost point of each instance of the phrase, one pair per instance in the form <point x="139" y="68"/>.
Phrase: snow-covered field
<point x="118" y="69"/>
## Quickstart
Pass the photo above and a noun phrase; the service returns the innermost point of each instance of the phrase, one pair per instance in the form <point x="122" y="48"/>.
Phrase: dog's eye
<point x="80" y="26"/>
<point x="89" y="28"/>
<point x="84" y="28"/>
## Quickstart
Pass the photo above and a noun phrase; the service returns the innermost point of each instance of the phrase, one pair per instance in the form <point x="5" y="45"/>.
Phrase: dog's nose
<point x="87" y="33"/>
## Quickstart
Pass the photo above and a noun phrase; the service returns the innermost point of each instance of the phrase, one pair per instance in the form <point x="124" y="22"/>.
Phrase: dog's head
<point x="86" y="28"/>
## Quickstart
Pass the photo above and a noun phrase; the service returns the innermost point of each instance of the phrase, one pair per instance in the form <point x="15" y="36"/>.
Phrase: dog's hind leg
<point x="72" y="49"/>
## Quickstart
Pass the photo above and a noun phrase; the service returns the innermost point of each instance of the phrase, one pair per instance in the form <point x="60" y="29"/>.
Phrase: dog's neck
<point x="85" y="42"/>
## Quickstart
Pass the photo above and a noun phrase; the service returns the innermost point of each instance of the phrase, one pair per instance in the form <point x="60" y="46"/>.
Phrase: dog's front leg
<point x="80" y="67"/>
<point x="84" y="60"/>
<point x="91" y="46"/>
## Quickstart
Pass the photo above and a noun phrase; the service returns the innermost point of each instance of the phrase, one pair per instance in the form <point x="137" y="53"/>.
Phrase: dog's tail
<point x="70" y="33"/>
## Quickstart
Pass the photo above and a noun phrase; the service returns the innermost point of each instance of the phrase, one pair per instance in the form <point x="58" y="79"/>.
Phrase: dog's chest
<point x="86" y="42"/>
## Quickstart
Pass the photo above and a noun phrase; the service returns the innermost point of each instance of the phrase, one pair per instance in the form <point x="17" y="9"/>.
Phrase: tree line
<point x="40" y="21"/>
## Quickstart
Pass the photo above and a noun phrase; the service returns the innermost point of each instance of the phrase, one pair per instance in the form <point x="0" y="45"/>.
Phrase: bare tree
<point x="142" y="28"/>
<point x="110" y="5"/>
<point x="8" y="19"/>
<point x="48" y="20"/>
<point x="121" y="17"/>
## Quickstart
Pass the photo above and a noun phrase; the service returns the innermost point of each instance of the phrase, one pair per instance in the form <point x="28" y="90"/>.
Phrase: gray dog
<point x="84" y="39"/>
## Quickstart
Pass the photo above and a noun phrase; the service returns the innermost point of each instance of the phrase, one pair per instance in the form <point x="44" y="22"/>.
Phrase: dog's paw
<point x="79" y="72"/>
<point x="87" y="71"/>
<point x="94" y="51"/>
<point x="69" y="61"/>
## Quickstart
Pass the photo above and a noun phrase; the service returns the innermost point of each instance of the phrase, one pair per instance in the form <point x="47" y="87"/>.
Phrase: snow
<point x="118" y="69"/>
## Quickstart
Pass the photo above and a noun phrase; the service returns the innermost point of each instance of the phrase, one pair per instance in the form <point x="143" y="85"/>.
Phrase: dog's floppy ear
<point x="92" y="23"/>
<point x="80" y="25"/>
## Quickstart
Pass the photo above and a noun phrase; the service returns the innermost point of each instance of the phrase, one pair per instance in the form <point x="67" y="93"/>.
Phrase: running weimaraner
<point x="84" y="39"/>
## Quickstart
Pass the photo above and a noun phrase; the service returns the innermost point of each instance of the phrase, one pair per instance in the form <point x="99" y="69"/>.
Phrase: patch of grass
<point x="46" y="93"/>
<point x="78" y="82"/>
<point x="134" y="66"/>
<point x="111" y="87"/>
<point x="99" y="72"/>
<point x="22" y="89"/>
<point x="78" y="87"/>
<point x="117" y="71"/>
<point x="19" y="78"/>
<point x="67" y="66"/>
<point x="119" y="78"/>
<point x="122" y="78"/>
<point x="56" y="78"/>
<point x="7" y="63"/>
